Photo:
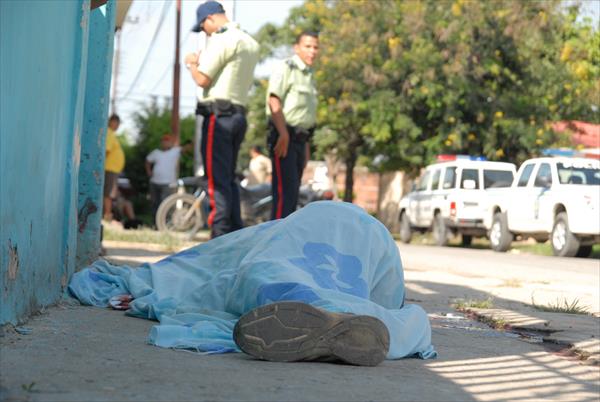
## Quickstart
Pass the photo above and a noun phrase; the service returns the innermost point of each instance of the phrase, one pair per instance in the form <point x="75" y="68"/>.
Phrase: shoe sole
<point x="293" y="331"/>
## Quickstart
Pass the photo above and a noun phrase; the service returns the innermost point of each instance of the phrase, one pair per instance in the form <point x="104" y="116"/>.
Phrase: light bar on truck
<point x="450" y="157"/>
<point x="593" y="153"/>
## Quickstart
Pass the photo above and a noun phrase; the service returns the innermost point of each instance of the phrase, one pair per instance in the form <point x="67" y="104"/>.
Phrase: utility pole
<point x="176" y="72"/>
<point x="113" y="97"/>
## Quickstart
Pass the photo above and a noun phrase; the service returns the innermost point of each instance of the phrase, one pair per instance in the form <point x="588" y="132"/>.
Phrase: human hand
<point x="281" y="147"/>
<point x="120" y="302"/>
<point x="191" y="59"/>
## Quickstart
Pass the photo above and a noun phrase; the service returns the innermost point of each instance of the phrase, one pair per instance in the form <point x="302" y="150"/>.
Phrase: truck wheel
<point x="500" y="236"/>
<point x="440" y="231"/>
<point x="564" y="243"/>
<point x="584" y="251"/>
<point x="405" y="231"/>
<point x="467" y="240"/>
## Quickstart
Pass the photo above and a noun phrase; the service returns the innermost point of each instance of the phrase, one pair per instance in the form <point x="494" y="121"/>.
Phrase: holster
<point x="219" y="107"/>
<point x="297" y="134"/>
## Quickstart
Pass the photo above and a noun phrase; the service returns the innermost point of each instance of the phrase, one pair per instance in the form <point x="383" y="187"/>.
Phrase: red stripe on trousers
<point x="209" y="169"/>
<point x="279" y="210"/>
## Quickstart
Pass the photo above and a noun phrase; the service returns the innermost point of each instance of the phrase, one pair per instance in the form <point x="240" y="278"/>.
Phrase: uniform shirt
<point x="260" y="168"/>
<point x="164" y="170"/>
<point x="115" y="158"/>
<point x="293" y="83"/>
<point x="229" y="60"/>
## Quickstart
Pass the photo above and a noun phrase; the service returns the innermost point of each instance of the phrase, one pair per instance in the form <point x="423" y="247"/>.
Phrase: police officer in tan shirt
<point x="292" y="111"/>
<point x="225" y="71"/>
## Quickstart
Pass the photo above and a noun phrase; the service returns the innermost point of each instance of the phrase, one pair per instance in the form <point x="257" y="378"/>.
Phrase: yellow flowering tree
<point x="402" y="81"/>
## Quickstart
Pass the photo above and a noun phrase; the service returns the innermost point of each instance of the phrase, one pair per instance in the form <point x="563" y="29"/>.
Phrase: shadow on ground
<point x="499" y="365"/>
<point x="79" y="353"/>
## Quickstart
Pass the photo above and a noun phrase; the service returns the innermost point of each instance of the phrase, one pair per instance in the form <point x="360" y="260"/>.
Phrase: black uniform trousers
<point x="286" y="173"/>
<point x="222" y="136"/>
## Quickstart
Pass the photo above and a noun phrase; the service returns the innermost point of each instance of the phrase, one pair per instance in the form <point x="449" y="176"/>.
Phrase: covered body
<point x="328" y="254"/>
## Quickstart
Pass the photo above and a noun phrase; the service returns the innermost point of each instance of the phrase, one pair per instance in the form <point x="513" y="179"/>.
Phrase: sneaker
<point x="293" y="331"/>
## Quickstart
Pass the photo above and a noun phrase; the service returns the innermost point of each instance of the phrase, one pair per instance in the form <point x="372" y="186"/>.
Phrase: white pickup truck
<point x="550" y="198"/>
<point x="451" y="197"/>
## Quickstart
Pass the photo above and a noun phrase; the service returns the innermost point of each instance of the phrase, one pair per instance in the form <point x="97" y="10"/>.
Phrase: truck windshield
<point x="497" y="178"/>
<point x="579" y="173"/>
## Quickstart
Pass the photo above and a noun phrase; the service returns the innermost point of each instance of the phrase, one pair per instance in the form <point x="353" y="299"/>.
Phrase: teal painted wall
<point x="91" y="172"/>
<point x="43" y="75"/>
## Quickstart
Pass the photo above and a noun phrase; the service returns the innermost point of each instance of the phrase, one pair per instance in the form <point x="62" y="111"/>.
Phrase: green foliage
<point x="153" y="122"/>
<point x="257" y="124"/>
<point x="462" y="304"/>
<point x="406" y="80"/>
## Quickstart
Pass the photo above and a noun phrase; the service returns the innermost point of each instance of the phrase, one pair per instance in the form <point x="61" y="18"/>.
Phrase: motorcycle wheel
<point x="180" y="213"/>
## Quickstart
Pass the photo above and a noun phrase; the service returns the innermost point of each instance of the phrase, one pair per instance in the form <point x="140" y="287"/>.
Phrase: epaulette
<point x="291" y="64"/>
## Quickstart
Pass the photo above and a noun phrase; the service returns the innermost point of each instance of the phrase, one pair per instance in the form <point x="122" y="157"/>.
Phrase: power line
<point x="169" y="67"/>
<point x="152" y="43"/>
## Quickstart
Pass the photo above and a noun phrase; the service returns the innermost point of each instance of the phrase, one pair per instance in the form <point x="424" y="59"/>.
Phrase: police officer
<point x="225" y="71"/>
<point x="292" y="111"/>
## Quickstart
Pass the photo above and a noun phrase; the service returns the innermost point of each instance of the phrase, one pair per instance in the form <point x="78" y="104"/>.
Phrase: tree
<point x="580" y="53"/>
<point x="402" y="81"/>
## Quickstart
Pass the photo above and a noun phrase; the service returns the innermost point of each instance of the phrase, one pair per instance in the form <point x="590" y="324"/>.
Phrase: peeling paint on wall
<point x="101" y="137"/>
<point x="13" y="261"/>
<point x="89" y="207"/>
<point x="77" y="148"/>
<point x="85" y="8"/>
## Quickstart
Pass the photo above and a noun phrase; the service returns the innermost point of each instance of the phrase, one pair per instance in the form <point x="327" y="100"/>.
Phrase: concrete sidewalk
<point x="511" y="283"/>
<point x="76" y="353"/>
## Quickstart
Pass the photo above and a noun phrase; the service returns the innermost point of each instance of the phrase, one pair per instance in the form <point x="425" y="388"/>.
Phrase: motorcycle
<point x="187" y="213"/>
<point x="311" y="192"/>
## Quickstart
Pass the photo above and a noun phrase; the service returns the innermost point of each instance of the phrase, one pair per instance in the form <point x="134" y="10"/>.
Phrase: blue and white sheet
<point x="331" y="255"/>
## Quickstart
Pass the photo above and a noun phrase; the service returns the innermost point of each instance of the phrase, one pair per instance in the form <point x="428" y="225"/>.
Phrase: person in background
<point x="225" y="72"/>
<point x="114" y="163"/>
<point x="162" y="166"/>
<point x="292" y="111"/>
<point x="122" y="207"/>
<point x="259" y="167"/>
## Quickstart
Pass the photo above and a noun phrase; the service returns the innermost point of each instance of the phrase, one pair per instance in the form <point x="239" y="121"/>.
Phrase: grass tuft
<point x="525" y="247"/>
<point x="29" y="387"/>
<point x="170" y="241"/>
<point x="563" y="306"/>
<point x="462" y="304"/>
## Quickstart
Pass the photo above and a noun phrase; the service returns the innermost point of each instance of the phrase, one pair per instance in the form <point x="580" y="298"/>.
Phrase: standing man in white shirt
<point x="162" y="166"/>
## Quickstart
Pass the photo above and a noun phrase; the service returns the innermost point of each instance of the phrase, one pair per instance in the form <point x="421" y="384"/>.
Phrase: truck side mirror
<point x="543" y="181"/>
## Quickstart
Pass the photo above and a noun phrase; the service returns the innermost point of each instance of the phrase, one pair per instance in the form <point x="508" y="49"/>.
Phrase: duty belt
<point x="298" y="134"/>
<point x="219" y="107"/>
